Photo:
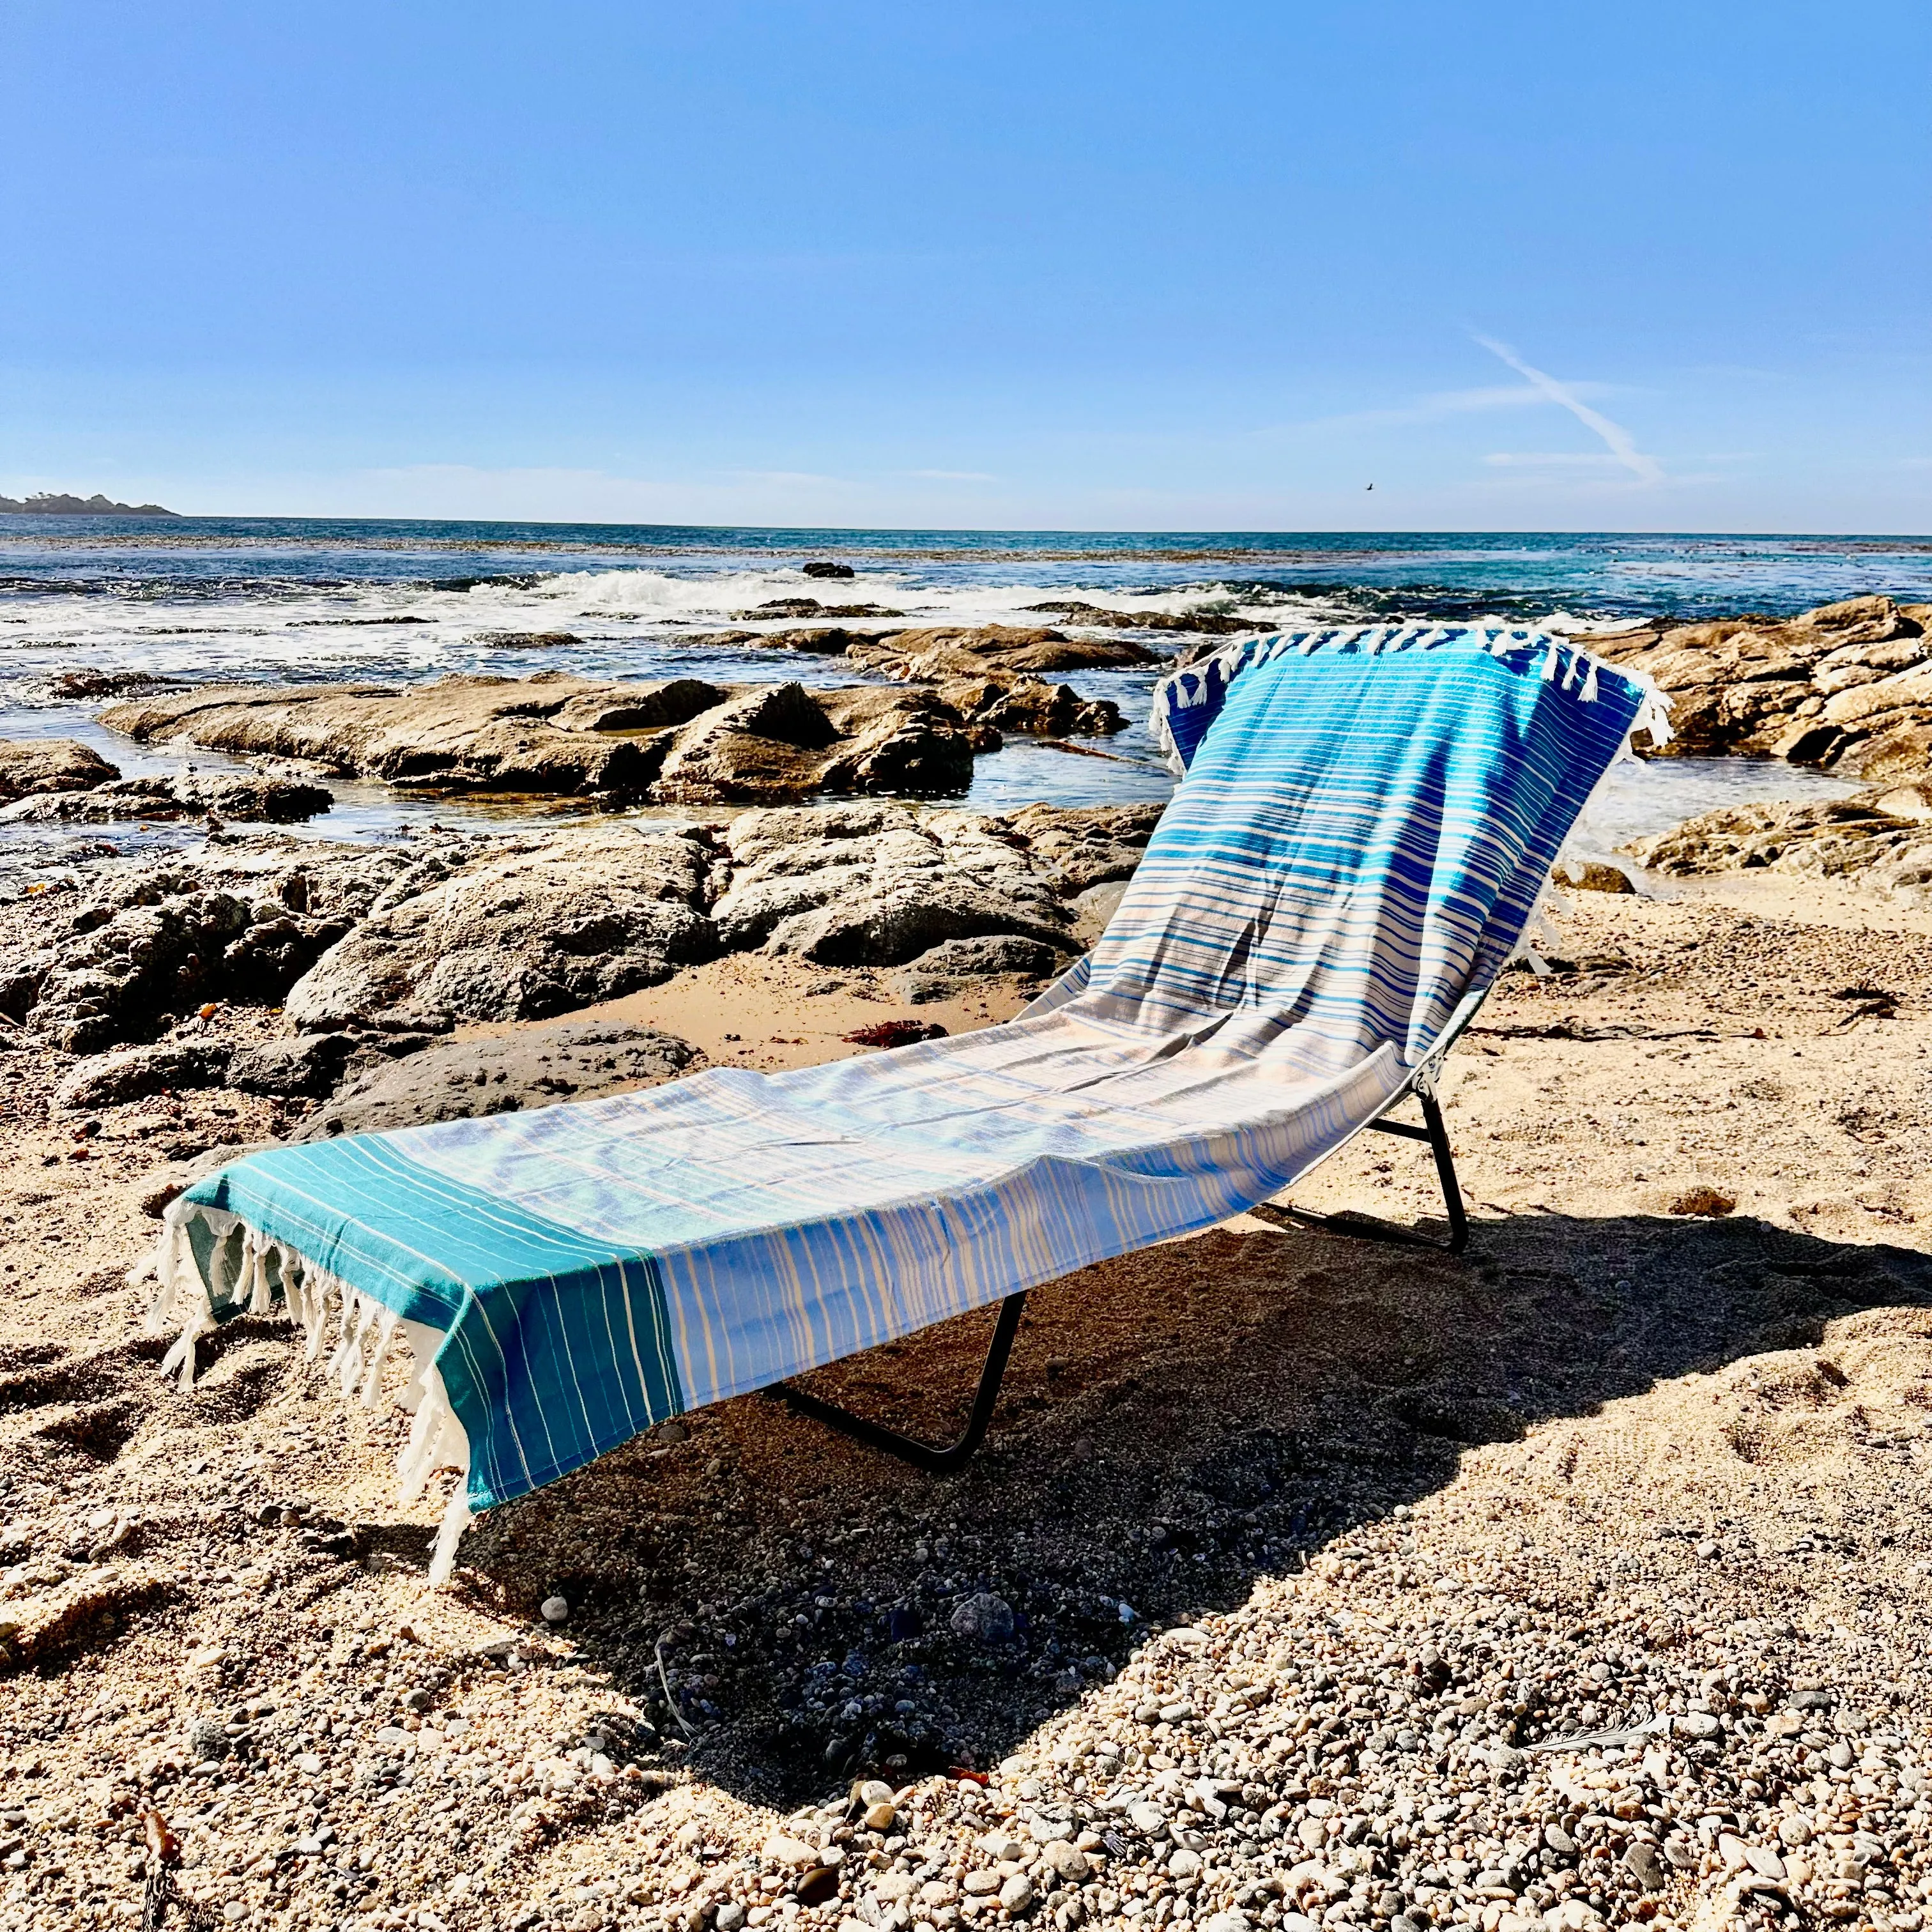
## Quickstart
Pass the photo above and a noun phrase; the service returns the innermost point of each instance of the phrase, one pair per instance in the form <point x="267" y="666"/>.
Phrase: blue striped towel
<point x="1367" y="821"/>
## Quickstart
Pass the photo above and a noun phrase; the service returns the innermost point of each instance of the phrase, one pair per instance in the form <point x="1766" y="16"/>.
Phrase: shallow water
<point x="297" y="601"/>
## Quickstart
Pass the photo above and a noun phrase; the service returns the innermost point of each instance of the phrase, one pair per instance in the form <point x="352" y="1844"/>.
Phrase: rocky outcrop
<point x="873" y="885"/>
<point x="683" y="741"/>
<point x="552" y="924"/>
<point x="1881" y="839"/>
<point x="147" y="943"/>
<point x="950" y="968"/>
<point x="240" y="796"/>
<point x="782" y="742"/>
<point x="987" y="677"/>
<point x="548" y="734"/>
<point x="1847" y="686"/>
<point x="59" y="503"/>
<point x="460" y="1080"/>
<point x="1081" y="846"/>
<point x="112" y="1079"/>
<point x="31" y="767"/>
<point x="1194" y="623"/>
<point x="810" y="606"/>
<point x="953" y="650"/>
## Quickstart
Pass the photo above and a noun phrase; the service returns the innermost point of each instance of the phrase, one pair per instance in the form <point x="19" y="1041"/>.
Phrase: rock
<point x="312" y="1066"/>
<point x="880" y="1817"/>
<point x="730" y="1916"/>
<point x="1643" y="1861"/>
<point x="239" y="797"/>
<point x="207" y="1738"/>
<point x="456" y="1080"/>
<point x="1698" y="1726"/>
<point x="981" y="1884"/>
<point x="1016" y="1895"/>
<point x="308" y="1764"/>
<point x="956" y="649"/>
<point x="546" y="926"/>
<point x="240" y="921"/>
<point x="1878" y="839"/>
<point x="781" y="742"/>
<point x="1559" y="1841"/>
<point x="1841" y="1756"/>
<point x="527" y="640"/>
<point x="1225" y="1921"/>
<point x="876" y="885"/>
<point x="982" y="1618"/>
<point x="549" y="733"/>
<point x="818" y="567"/>
<point x="1704" y="1200"/>
<point x="940" y="974"/>
<point x="1196" y="623"/>
<point x="1066" y="1861"/>
<point x="1582" y="875"/>
<point x="1084" y="846"/>
<point x="112" y="1079"/>
<point x="1826" y="686"/>
<point x="1148" y="1819"/>
<point x="31" y="767"/>
<point x="556" y="1610"/>
<point x="988" y="675"/>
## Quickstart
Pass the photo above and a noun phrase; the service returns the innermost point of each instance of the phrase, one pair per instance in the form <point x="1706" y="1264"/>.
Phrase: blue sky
<point x="1206" y="266"/>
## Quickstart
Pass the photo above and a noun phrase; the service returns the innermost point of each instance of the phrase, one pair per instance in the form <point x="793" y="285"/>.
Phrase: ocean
<point x="298" y="600"/>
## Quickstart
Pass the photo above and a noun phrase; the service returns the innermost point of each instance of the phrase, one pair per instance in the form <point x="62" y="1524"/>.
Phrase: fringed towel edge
<point x="184" y="1305"/>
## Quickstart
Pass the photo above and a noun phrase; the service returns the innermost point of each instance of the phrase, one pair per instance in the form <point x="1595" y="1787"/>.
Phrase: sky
<point x="1210" y="266"/>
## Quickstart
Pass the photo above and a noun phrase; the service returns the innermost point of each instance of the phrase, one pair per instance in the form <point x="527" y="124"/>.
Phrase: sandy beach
<point x="1653" y="1450"/>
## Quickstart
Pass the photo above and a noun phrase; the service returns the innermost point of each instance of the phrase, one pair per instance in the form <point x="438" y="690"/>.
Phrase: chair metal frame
<point x="943" y="1459"/>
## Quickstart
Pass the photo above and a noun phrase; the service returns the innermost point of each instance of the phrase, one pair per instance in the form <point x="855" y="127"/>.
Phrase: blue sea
<point x="289" y="600"/>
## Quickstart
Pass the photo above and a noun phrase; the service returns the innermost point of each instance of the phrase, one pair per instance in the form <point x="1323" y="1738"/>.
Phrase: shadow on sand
<point x="1175" y="1425"/>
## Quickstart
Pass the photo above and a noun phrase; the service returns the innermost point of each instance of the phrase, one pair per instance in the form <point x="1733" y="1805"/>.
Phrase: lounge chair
<point x="1367" y="819"/>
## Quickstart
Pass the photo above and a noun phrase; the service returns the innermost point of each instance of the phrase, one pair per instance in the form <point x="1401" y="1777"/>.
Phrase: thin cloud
<point x="1588" y="459"/>
<point x="1617" y="439"/>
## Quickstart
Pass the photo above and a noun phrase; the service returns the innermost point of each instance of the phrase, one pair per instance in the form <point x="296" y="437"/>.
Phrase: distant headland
<point x="50" y="503"/>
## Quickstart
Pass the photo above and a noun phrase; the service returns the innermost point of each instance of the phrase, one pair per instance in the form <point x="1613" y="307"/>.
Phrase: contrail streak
<point x="1616" y="438"/>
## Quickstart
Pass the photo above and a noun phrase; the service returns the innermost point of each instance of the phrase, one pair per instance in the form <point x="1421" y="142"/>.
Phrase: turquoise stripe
<point x="527" y="1303"/>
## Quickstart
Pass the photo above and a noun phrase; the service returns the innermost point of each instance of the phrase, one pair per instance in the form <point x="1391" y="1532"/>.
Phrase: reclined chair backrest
<point x="1367" y="821"/>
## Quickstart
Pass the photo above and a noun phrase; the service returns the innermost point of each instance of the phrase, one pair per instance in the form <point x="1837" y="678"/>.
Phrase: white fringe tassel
<point x="184" y="1306"/>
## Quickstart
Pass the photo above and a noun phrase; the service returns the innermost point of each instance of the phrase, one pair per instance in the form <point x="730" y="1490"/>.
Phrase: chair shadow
<point x="1175" y="1425"/>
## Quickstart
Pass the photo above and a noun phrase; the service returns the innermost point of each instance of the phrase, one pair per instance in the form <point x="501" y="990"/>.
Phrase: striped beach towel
<point x="1366" y="819"/>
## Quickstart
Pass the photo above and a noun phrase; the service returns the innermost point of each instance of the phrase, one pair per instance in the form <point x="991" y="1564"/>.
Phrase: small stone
<point x="555" y="1609"/>
<point x="1145" y="1817"/>
<point x="730" y="1916"/>
<point x="983" y="1617"/>
<point x="207" y="1739"/>
<point x="1841" y="1756"/>
<point x="1642" y="1860"/>
<point x="880" y="1818"/>
<point x="235" y="1911"/>
<point x="1298" y="1921"/>
<point x="1559" y="1841"/>
<point x="1066" y="1861"/>
<point x="1699" y="1724"/>
<point x="780" y="1849"/>
<point x="1765" y="1862"/>
<point x="1228" y="1921"/>
<point x="1184" y="1864"/>
<point x="981" y="1884"/>
<point x="1017" y="1894"/>
<point x="1707" y="1550"/>
<point x="1706" y="1201"/>
<point x="308" y="1764"/>
<point x="1176" y="1714"/>
<point x="1795" y="1831"/>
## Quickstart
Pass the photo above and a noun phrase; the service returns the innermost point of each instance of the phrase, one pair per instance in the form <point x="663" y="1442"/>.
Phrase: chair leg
<point x="925" y="1456"/>
<point x="1362" y="1228"/>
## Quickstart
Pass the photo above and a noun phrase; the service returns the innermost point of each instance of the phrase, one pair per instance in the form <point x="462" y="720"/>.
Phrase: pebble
<point x="208" y="1738"/>
<point x="982" y="1617"/>
<point x="1017" y="1894"/>
<point x="555" y="1609"/>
